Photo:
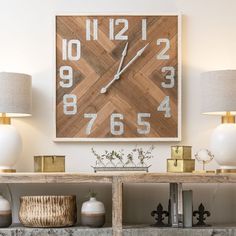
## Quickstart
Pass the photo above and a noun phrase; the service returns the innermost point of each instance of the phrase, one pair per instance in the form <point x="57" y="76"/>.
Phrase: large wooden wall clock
<point x="118" y="77"/>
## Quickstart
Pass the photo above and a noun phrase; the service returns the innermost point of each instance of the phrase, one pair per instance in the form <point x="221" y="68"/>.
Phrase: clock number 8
<point x="70" y="104"/>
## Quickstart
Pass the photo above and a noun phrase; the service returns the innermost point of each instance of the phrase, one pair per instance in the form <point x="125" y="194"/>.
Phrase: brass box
<point x="180" y="166"/>
<point x="181" y="152"/>
<point x="49" y="163"/>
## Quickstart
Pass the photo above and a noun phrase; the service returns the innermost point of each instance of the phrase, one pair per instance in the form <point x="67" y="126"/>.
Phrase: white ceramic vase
<point x="93" y="213"/>
<point x="5" y="212"/>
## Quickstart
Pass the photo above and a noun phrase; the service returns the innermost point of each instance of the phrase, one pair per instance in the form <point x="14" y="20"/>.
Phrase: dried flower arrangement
<point x="115" y="161"/>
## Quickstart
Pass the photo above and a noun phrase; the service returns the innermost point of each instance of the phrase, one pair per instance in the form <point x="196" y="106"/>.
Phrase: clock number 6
<point x="117" y="127"/>
<point x="170" y="76"/>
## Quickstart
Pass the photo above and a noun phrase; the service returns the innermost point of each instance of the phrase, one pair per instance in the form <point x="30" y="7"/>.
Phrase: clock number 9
<point x="70" y="104"/>
<point x="170" y="77"/>
<point x="117" y="127"/>
<point x="66" y="77"/>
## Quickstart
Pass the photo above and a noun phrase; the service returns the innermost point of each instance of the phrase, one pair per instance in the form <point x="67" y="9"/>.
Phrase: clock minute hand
<point x="138" y="54"/>
<point x="116" y="76"/>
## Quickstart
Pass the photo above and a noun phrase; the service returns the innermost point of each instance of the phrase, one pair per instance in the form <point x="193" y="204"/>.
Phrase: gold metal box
<point x="49" y="163"/>
<point x="180" y="166"/>
<point x="181" y="152"/>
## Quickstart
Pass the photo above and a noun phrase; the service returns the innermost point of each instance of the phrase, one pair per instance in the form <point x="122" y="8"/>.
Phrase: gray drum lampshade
<point x="15" y="94"/>
<point x="219" y="92"/>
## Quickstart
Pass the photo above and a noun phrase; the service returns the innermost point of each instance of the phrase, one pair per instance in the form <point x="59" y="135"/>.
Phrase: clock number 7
<point x="92" y="117"/>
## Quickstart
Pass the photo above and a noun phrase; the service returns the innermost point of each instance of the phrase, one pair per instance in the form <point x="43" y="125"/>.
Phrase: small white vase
<point x="93" y="213"/>
<point x="5" y="213"/>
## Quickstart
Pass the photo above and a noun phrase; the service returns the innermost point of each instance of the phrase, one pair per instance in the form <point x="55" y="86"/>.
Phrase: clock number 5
<point x="117" y="127"/>
<point x="170" y="77"/>
<point x="146" y="125"/>
<point x="165" y="106"/>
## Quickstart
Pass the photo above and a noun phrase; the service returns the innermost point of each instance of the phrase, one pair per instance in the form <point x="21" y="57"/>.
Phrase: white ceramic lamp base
<point x="10" y="147"/>
<point x="223" y="146"/>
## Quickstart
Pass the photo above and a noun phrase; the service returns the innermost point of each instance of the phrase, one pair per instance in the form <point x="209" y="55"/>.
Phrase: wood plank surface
<point x="30" y="177"/>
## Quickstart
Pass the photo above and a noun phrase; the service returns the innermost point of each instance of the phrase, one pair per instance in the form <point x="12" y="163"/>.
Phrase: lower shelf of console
<point x="139" y="230"/>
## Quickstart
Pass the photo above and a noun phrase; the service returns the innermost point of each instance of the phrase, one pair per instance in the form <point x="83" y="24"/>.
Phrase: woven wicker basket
<point x="48" y="211"/>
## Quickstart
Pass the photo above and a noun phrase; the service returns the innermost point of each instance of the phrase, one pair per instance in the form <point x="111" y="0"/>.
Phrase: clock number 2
<point x="163" y="53"/>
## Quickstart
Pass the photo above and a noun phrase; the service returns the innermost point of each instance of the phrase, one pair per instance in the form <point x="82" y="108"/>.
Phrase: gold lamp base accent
<point x="226" y="171"/>
<point x="4" y="120"/>
<point x="7" y="170"/>
<point x="228" y="118"/>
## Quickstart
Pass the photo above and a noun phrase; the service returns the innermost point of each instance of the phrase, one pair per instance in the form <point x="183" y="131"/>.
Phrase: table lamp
<point x="219" y="98"/>
<point x="15" y="101"/>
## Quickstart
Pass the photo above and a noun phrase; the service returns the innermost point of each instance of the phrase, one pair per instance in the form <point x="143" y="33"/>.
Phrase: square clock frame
<point x="118" y="78"/>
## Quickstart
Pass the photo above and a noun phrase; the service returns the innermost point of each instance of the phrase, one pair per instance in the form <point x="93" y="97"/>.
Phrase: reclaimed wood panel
<point x="139" y="90"/>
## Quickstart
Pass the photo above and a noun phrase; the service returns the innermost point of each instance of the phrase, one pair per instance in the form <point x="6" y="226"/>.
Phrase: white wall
<point x="208" y="43"/>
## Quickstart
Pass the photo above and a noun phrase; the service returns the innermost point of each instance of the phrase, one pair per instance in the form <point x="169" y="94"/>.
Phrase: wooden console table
<point x="117" y="180"/>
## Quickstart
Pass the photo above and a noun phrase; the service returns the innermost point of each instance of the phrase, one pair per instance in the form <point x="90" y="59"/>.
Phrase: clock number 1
<point x="71" y="49"/>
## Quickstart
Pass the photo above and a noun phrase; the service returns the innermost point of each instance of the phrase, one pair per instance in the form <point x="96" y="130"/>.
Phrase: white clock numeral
<point x="145" y="124"/>
<point x="170" y="76"/>
<point x="144" y="29"/>
<point x="67" y="49"/>
<point x="117" y="127"/>
<point x="120" y="35"/>
<point x="165" y="106"/>
<point x="90" y="32"/>
<point x="92" y="117"/>
<point x="162" y="54"/>
<point x="66" y="74"/>
<point x="70" y="104"/>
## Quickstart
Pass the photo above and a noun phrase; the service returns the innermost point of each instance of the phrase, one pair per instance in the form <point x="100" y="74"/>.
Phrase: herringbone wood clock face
<point x="117" y="77"/>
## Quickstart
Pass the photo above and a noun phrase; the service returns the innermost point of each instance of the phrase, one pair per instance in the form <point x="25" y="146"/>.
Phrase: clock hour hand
<point x="138" y="54"/>
<point x="116" y="76"/>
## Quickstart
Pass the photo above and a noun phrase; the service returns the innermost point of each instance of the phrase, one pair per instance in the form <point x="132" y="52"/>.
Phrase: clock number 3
<point x="170" y="77"/>
<point x="165" y="106"/>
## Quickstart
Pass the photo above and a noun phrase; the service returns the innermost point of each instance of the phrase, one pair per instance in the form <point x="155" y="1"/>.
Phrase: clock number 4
<point x="165" y="106"/>
<point x="71" y="49"/>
